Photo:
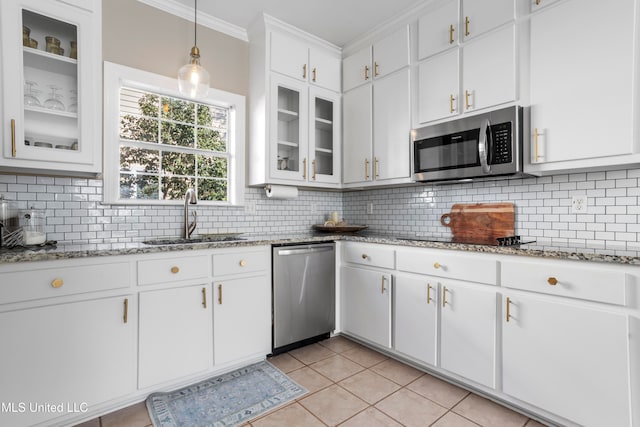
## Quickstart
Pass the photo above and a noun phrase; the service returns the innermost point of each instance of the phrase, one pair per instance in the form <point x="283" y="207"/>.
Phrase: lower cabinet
<point x="416" y="314"/>
<point x="76" y="354"/>
<point x="176" y="334"/>
<point x="366" y="299"/>
<point x="468" y="330"/>
<point x="241" y="318"/>
<point x="568" y="358"/>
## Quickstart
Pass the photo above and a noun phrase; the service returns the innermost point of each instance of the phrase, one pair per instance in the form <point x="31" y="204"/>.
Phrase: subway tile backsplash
<point x="75" y="213"/>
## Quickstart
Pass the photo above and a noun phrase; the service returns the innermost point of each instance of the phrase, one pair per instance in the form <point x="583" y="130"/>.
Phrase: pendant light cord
<point x="195" y="24"/>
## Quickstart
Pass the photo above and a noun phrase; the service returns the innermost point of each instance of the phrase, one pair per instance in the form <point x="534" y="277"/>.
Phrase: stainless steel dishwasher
<point x="303" y="294"/>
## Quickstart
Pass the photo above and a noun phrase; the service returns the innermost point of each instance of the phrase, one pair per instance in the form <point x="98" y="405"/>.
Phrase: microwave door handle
<point x="484" y="140"/>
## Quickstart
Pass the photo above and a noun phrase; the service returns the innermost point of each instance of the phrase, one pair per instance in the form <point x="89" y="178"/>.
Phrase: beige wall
<point x="143" y="37"/>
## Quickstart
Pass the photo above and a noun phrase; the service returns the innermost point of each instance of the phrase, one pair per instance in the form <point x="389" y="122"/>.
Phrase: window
<point x="158" y="143"/>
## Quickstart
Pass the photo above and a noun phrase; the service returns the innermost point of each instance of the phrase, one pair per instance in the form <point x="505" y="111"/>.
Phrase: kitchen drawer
<point x="240" y="262"/>
<point x="369" y="254"/>
<point x="567" y="279"/>
<point x="174" y="269"/>
<point x="449" y="264"/>
<point x="62" y="280"/>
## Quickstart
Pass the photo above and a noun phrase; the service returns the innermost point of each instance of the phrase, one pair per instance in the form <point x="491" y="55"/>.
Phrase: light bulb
<point x="193" y="79"/>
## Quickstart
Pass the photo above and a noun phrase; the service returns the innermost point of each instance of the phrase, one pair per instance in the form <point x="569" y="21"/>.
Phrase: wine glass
<point x="30" y="99"/>
<point x="53" y="102"/>
<point x="73" y="107"/>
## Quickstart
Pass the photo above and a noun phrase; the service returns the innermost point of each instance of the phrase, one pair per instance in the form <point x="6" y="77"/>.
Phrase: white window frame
<point x="115" y="77"/>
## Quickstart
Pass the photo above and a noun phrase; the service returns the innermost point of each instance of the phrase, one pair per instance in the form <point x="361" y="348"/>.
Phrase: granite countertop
<point x="71" y="250"/>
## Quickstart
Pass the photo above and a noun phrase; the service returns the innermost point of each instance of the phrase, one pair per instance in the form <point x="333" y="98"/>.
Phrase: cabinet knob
<point x="436" y="265"/>
<point x="552" y="281"/>
<point x="365" y="256"/>
<point x="243" y="263"/>
<point x="175" y="269"/>
<point x="57" y="283"/>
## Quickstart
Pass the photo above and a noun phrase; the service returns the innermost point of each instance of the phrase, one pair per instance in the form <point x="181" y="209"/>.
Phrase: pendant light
<point x="193" y="80"/>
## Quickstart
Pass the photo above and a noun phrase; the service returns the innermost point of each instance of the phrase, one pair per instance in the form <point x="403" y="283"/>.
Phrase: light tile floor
<point x="352" y="386"/>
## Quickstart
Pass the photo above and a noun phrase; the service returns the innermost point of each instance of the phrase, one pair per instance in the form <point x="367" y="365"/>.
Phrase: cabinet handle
<point x="552" y="281"/>
<point x="429" y="293"/>
<point x="444" y="296"/>
<point x="451" y="99"/>
<point x="466" y="26"/>
<point x="535" y="138"/>
<point x="366" y="72"/>
<point x="366" y="169"/>
<point x="375" y="167"/>
<point x="204" y="297"/>
<point x="220" y="294"/>
<point x="508" y="309"/>
<point x="375" y="70"/>
<point x="436" y="265"/>
<point x="314" y="75"/>
<point x="243" y="263"/>
<point x="451" y="34"/>
<point x="314" y="169"/>
<point x="175" y="269"/>
<point x="466" y="99"/>
<point x="57" y="283"/>
<point x="125" y="316"/>
<point x="384" y="279"/>
<point x="13" y="137"/>
<point x="304" y="168"/>
<point x="304" y="71"/>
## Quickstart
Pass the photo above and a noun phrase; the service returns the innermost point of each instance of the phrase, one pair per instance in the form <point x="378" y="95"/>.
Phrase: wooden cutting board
<point x="480" y="223"/>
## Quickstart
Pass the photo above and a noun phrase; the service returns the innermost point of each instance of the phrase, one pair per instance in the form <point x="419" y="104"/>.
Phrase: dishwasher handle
<point x="303" y="251"/>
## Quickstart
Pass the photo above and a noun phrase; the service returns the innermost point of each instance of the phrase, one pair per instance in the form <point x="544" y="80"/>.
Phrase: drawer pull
<point x="57" y="283"/>
<point x="175" y="269"/>
<point x="204" y="297"/>
<point x="365" y="256"/>
<point x="243" y="263"/>
<point x="125" y="316"/>
<point x="552" y="281"/>
<point x="220" y="294"/>
<point x="436" y="265"/>
<point x="444" y="296"/>
<point x="508" y="308"/>
<point x="429" y="293"/>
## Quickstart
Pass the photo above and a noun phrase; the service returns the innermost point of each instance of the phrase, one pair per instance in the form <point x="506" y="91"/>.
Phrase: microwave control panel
<point x="501" y="134"/>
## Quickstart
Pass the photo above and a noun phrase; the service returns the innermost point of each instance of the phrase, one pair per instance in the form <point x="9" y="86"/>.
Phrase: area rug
<point x="227" y="400"/>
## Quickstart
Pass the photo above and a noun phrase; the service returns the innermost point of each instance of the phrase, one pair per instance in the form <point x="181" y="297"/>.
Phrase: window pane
<point x="210" y="139"/>
<point x="212" y="189"/>
<point x="215" y="167"/>
<point x="138" y="128"/>
<point x="175" y="134"/>
<point x="212" y="116"/>
<point x="134" y="101"/>
<point x="138" y="187"/>
<point x="178" y="110"/>
<point x="139" y="159"/>
<point x="173" y="188"/>
<point x="178" y="163"/>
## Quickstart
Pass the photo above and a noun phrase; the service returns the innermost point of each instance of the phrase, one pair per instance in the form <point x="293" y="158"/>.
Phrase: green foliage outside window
<point x="168" y="145"/>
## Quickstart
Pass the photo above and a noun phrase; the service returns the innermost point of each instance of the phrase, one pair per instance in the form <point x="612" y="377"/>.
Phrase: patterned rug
<point x="227" y="400"/>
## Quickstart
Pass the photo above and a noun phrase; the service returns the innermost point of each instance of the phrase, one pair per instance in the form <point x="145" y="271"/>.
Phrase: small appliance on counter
<point x="33" y="227"/>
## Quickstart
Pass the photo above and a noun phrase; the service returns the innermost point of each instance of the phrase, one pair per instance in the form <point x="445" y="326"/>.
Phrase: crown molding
<point x="178" y="9"/>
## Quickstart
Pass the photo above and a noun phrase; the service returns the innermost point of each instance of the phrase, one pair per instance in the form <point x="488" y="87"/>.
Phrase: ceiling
<point x="336" y="21"/>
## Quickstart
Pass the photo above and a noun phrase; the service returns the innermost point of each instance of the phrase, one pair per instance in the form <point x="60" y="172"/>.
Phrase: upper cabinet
<point x="51" y="86"/>
<point x="438" y="29"/>
<point x="479" y="17"/>
<point x="583" y="84"/>
<point x="295" y="108"/>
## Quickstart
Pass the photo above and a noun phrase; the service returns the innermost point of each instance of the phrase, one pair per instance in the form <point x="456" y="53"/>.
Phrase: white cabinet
<point x="176" y="334"/>
<point x="366" y="301"/>
<point x="356" y="69"/>
<point x="416" y="312"/>
<point x="67" y="354"/>
<point x="438" y="29"/>
<point x="439" y="87"/>
<point x="357" y="133"/>
<point x="241" y="318"/>
<point x="295" y="108"/>
<point x="578" y="350"/>
<point x="479" y="17"/>
<point x="581" y="84"/>
<point x="468" y="331"/>
<point x="51" y="108"/>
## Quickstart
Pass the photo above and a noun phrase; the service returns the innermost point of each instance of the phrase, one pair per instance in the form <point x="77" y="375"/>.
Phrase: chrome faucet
<point x="189" y="199"/>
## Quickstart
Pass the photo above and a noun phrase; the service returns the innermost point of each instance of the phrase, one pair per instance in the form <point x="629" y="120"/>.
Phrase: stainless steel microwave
<point x="488" y="144"/>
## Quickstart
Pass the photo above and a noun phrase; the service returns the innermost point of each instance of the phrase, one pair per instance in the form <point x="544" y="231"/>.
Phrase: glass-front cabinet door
<point x="289" y="128"/>
<point x="51" y="85"/>
<point x="324" y="134"/>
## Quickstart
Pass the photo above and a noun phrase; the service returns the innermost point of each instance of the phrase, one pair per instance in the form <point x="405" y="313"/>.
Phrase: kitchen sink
<point x="204" y="238"/>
